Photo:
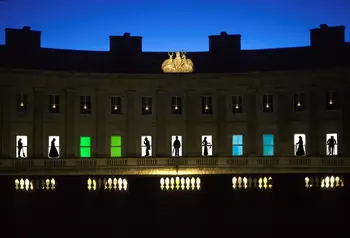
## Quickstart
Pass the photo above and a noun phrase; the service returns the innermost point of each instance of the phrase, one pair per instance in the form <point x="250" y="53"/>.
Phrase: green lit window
<point x="116" y="146"/>
<point x="85" y="146"/>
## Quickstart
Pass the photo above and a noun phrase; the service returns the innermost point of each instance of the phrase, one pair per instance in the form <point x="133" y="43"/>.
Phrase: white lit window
<point x="176" y="146"/>
<point x="146" y="146"/>
<point x="207" y="145"/>
<point x="21" y="146"/>
<point x="299" y="144"/>
<point x="332" y="144"/>
<point x="54" y="147"/>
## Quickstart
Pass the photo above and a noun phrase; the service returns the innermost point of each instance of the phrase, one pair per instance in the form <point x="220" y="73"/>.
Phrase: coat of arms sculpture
<point x="178" y="65"/>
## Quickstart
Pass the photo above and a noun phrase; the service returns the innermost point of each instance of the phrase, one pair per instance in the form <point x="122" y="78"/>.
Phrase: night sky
<point x="173" y="25"/>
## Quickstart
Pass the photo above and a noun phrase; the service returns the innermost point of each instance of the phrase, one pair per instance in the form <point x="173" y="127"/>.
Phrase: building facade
<point x="239" y="110"/>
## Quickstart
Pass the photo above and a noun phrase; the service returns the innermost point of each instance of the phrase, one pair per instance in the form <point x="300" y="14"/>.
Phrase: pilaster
<point x="252" y="123"/>
<point x="221" y="125"/>
<point x="38" y="107"/>
<point x="130" y="123"/>
<point x="101" y="122"/>
<point x="5" y="132"/>
<point x="69" y="133"/>
<point x="191" y="112"/>
<point x="161" y="128"/>
<point x="314" y="121"/>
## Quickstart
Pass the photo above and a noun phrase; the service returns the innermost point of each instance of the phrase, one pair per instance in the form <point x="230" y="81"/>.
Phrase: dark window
<point x="299" y="102"/>
<point x="85" y="104"/>
<point x="116" y="107"/>
<point x="146" y="105"/>
<point x="237" y="106"/>
<point x="176" y="105"/>
<point x="54" y="104"/>
<point x="22" y="103"/>
<point x="267" y="103"/>
<point x="207" y="105"/>
<point x="331" y="100"/>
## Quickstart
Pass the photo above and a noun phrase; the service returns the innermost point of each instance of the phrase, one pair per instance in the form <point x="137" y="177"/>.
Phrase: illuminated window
<point x="54" y="104"/>
<point x="116" y="105"/>
<point x="237" y="145"/>
<point x="176" y="105"/>
<point x="237" y="106"/>
<point x="116" y="146"/>
<point x="207" y="105"/>
<point x="54" y="147"/>
<point x="176" y="146"/>
<point x="267" y="103"/>
<point x="299" y="102"/>
<point x="178" y="183"/>
<point x="299" y="144"/>
<point x="332" y="144"/>
<point x="331" y="100"/>
<point x="85" y="146"/>
<point x="21" y="146"/>
<point x="22" y="103"/>
<point x="268" y="145"/>
<point x="85" y="104"/>
<point x="147" y="105"/>
<point x="146" y="146"/>
<point x="207" y="145"/>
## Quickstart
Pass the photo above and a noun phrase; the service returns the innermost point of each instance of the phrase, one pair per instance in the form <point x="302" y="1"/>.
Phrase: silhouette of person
<point x="176" y="145"/>
<point x="53" y="150"/>
<point x="147" y="145"/>
<point x="300" y="150"/>
<point x="206" y="144"/>
<point x="331" y="143"/>
<point x="20" y="148"/>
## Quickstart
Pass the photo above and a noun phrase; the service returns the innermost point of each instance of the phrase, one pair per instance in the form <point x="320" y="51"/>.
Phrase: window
<point x="267" y="103"/>
<point x="21" y="146"/>
<point x="54" y="104"/>
<point x="207" y="145"/>
<point x="85" y="104"/>
<point x="22" y="103"/>
<point x="332" y="144"/>
<point x="299" y="102"/>
<point x="176" y="105"/>
<point x="176" y="146"/>
<point x="146" y="146"/>
<point x="85" y="146"/>
<point x="237" y="145"/>
<point x="54" y="147"/>
<point x="116" y="105"/>
<point x="237" y="106"/>
<point x="299" y="144"/>
<point x="268" y="145"/>
<point x="207" y="105"/>
<point x="116" y="146"/>
<point x="146" y="105"/>
<point x="331" y="100"/>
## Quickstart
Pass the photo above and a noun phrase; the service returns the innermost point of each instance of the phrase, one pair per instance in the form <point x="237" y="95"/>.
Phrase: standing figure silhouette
<point x="176" y="145"/>
<point x="20" y="148"/>
<point x="53" y="150"/>
<point x="147" y="145"/>
<point x="331" y="143"/>
<point x="205" y="144"/>
<point x="300" y="150"/>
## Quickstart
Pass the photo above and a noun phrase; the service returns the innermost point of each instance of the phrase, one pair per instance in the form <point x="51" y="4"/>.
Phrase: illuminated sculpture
<point x="178" y="65"/>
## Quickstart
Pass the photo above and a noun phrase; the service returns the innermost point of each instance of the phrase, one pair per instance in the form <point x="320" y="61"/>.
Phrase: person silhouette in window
<point x="300" y="145"/>
<point x="331" y="143"/>
<point x="20" y="148"/>
<point x="176" y="145"/>
<point x="206" y="144"/>
<point x="53" y="150"/>
<point x="147" y="145"/>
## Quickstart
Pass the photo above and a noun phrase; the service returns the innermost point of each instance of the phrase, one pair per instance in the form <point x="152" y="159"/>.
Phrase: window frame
<point x="81" y="147"/>
<point x="236" y="100"/>
<point x="22" y="98"/>
<point x="116" y="101"/>
<point x="270" y="101"/>
<point x="147" y="101"/>
<point x="54" y="99"/>
<point x="115" y="146"/>
<point x="273" y="145"/>
<point x="207" y="100"/>
<point x="176" y="101"/>
<point x="237" y="145"/>
<point x="331" y="95"/>
<point x="86" y="100"/>
<point x="299" y="97"/>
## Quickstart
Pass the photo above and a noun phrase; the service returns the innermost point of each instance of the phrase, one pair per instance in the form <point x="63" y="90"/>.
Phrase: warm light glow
<point x="324" y="182"/>
<point x="180" y="64"/>
<point x="146" y="108"/>
<point x="267" y="105"/>
<point x="237" y="107"/>
<point x="331" y="102"/>
<point x="178" y="183"/>
<point x="110" y="184"/>
<point x="22" y="104"/>
<point x="206" y="107"/>
<point x="85" y="107"/>
<point x="176" y="107"/>
<point x="298" y="104"/>
<point x="25" y="184"/>
<point x="53" y="106"/>
<point x="248" y="183"/>
<point x="115" y="108"/>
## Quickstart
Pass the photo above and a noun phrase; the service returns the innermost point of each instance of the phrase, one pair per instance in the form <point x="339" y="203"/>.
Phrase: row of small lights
<point x="178" y="183"/>
<point x="327" y="182"/>
<point x="120" y="184"/>
<point x="28" y="185"/>
<point x="245" y="183"/>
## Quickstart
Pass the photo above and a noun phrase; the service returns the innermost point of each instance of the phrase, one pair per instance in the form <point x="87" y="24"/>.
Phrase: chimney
<point x="125" y="44"/>
<point x="24" y="38"/>
<point x="224" y="43"/>
<point x="327" y="37"/>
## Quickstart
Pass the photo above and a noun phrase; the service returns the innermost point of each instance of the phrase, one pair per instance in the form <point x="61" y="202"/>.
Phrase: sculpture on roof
<point x="178" y="65"/>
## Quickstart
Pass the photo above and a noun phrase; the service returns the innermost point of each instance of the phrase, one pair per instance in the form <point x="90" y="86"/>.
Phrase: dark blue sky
<point x="173" y="25"/>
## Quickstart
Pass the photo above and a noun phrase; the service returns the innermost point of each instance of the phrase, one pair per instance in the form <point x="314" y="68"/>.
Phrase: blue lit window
<point x="268" y="145"/>
<point x="237" y="145"/>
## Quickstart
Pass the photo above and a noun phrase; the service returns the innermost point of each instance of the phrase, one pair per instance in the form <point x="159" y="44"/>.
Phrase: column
<point x="69" y="133"/>
<point x="130" y="122"/>
<point x="252" y="122"/>
<point x="314" y="120"/>
<point x="221" y="142"/>
<point x="38" y="107"/>
<point x="191" y="113"/>
<point x="345" y="105"/>
<point x="161" y="130"/>
<point x="5" y="133"/>
<point x="101" y="123"/>
<point x="282" y="117"/>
